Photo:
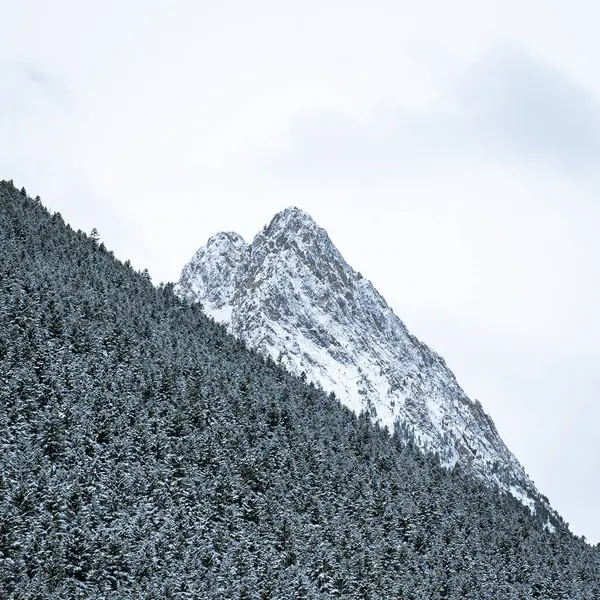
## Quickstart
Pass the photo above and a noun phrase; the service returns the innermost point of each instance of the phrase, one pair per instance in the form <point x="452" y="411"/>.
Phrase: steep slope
<point x="292" y="296"/>
<point x="145" y="454"/>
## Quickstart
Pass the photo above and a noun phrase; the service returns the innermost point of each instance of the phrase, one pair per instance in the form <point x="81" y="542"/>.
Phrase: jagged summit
<point x="291" y="216"/>
<point x="225" y="239"/>
<point x="293" y="228"/>
<point x="291" y="295"/>
<point x="213" y="273"/>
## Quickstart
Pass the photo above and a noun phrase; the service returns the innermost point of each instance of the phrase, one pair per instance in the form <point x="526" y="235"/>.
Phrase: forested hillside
<point x="147" y="454"/>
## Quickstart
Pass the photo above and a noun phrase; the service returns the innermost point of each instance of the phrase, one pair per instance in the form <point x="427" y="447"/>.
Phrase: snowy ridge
<point x="291" y="295"/>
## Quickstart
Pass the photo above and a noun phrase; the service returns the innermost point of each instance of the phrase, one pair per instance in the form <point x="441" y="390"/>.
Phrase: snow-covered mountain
<point x="290" y="294"/>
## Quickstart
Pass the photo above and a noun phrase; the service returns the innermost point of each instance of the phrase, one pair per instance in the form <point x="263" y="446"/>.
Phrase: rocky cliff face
<point x="291" y="295"/>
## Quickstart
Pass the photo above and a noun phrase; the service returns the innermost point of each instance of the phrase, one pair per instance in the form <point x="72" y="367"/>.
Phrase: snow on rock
<point x="212" y="274"/>
<point x="291" y="295"/>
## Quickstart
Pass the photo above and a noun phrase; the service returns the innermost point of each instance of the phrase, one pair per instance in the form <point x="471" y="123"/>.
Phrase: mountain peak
<point x="292" y="214"/>
<point x="294" y="232"/>
<point x="224" y="239"/>
<point x="213" y="272"/>
<point x="292" y="296"/>
<point x="291" y="221"/>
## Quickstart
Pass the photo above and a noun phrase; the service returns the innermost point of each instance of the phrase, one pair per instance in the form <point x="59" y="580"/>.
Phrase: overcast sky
<point x="451" y="150"/>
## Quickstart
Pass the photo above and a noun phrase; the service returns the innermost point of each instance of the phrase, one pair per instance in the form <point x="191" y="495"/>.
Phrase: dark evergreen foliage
<point x="145" y="453"/>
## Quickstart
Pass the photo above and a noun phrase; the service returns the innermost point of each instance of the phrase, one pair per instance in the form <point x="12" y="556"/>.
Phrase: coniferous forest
<point x="147" y="454"/>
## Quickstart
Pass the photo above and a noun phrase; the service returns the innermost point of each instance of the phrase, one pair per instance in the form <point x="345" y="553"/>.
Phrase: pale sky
<point x="451" y="150"/>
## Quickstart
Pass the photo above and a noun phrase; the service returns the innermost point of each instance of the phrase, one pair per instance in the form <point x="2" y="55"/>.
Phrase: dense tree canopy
<point x="145" y="453"/>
